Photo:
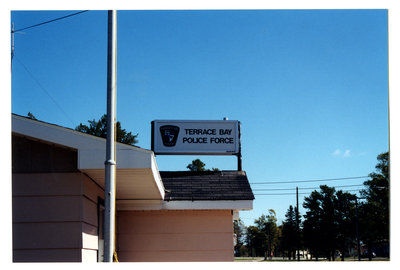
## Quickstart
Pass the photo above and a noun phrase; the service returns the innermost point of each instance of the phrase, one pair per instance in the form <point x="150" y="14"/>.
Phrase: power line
<point x="304" y="181"/>
<point x="47" y="93"/>
<point x="13" y="31"/>
<point x="60" y="18"/>
<point x="271" y="189"/>
<point x="295" y="193"/>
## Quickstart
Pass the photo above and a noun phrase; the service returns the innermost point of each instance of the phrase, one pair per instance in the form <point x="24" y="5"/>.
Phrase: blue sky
<point x="310" y="87"/>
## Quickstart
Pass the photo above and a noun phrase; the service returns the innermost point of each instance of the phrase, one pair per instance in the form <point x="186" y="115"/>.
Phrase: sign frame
<point x="173" y="130"/>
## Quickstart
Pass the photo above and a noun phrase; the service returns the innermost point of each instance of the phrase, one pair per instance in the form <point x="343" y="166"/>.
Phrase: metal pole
<point x="110" y="163"/>
<point x="297" y="224"/>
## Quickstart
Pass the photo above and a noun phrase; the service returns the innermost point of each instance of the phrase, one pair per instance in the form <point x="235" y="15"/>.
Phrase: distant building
<point x="58" y="192"/>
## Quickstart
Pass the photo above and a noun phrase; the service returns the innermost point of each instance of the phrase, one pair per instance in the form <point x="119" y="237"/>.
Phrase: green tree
<point x="199" y="166"/>
<point x="268" y="227"/>
<point x="99" y="129"/>
<point x="329" y="229"/>
<point x="196" y="166"/>
<point x="312" y="224"/>
<point x="374" y="213"/>
<point x="239" y="230"/>
<point x="290" y="234"/>
<point x="319" y="225"/>
<point x="329" y="223"/>
<point x="345" y="221"/>
<point x="31" y="116"/>
<point x="255" y="241"/>
<point x="280" y="250"/>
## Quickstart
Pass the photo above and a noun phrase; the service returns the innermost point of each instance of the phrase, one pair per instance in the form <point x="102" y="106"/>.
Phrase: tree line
<point x="334" y="224"/>
<point x="99" y="128"/>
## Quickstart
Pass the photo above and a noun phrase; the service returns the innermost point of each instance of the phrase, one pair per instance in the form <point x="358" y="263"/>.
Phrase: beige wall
<point x="167" y="236"/>
<point x="54" y="217"/>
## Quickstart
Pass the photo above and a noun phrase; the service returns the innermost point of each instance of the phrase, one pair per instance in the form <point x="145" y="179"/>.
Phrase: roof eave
<point x="136" y="167"/>
<point x="235" y="205"/>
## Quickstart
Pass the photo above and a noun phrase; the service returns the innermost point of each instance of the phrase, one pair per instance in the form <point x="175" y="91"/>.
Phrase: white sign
<point x="195" y="137"/>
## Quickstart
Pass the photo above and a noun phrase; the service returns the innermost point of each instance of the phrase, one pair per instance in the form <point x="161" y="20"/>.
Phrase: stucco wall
<point x="170" y="236"/>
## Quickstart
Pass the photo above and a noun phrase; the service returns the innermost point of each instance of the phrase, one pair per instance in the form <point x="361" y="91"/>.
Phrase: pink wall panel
<point x="167" y="221"/>
<point x="91" y="190"/>
<point x="176" y="256"/>
<point x="47" y="235"/>
<point x="175" y="235"/>
<point x="47" y="255"/>
<point x="175" y="241"/>
<point x="44" y="209"/>
<point x="54" y="217"/>
<point x="42" y="184"/>
<point x="89" y="211"/>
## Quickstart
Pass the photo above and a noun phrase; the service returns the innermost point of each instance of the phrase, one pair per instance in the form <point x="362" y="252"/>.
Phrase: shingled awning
<point x="206" y="185"/>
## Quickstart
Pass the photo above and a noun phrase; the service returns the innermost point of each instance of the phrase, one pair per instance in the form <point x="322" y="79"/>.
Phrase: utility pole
<point x="110" y="163"/>
<point x="297" y="224"/>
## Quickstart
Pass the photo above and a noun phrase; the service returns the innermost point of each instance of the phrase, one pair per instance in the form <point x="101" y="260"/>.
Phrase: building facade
<point x="58" y="202"/>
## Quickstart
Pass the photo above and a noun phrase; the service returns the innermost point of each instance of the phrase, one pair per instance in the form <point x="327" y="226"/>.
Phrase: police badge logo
<point x="169" y="135"/>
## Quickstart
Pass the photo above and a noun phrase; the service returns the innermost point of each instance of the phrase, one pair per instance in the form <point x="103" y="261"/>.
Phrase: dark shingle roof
<point x="208" y="185"/>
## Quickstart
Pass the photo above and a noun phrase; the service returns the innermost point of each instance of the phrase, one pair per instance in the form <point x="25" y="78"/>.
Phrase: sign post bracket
<point x="239" y="154"/>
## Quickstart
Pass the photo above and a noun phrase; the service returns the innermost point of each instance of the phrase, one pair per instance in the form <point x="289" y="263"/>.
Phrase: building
<point x="58" y="192"/>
